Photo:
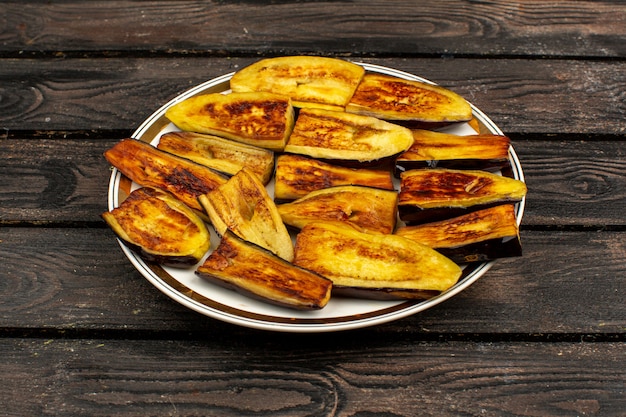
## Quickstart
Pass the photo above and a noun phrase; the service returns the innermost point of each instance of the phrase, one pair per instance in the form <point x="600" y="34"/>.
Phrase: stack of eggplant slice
<point x="320" y="179"/>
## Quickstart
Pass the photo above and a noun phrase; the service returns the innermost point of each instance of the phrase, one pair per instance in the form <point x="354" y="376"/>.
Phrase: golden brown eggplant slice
<point x="259" y="119"/>
<point x="243" y="206"/>
<point x="254" y="271"/>
<point x="310" y="81"/>
<point x="392" y="98"/>
<point x="480" y="236"/>
<point x="428" y="195"/>
<point x="334" y="135"/>
<point x="444" y="150"/>
<point x="160" y="228"/>
<point x="383" y="264"/>
<point x="151" y="167"/>
<point x="296" y="176"/>
<point x="363" y="207"/>
<point x="221" y="154"/>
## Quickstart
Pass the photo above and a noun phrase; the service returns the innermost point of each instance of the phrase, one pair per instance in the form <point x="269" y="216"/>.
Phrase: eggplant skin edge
<point x="352" y="258"/>
<point x="149" y="166"/>
<point x="148" y="196"/>
<point x="232" y="245"/>
<point x="485" y="251"/>
<point x="181" y="262"/>
<point x="383" y="294"/>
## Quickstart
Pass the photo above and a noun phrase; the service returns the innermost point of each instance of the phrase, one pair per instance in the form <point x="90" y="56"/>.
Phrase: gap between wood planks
<point x="269" y="53"/>
<point x="417" y="336"/>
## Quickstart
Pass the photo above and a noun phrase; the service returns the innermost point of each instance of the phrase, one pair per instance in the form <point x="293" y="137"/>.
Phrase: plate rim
<point x="214" y="309"/>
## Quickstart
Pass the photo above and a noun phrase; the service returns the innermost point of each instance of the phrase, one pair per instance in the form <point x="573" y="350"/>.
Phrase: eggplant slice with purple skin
<point x="344" y="137"/>
<point x="428" y="195"/>
<point x="373" y="265"/>
<point x="160" y="228"/>
<point x="243" y="206"/>
<point x="444" y="150"/>
<point x="310" y="81"/>
<point x="362" y="207"/>
<point x="254" y="271"/>
<point x="223" y="155"/>
<point x="296" y="176"/>
<point x="391" y="98"/>
<point x="480" y="236"/>
<point x="259" y="119"/>
<point x="151" y="167"/>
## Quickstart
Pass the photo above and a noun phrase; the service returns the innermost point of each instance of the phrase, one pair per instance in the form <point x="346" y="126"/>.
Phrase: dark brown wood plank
<point x="521" y="96"/>
<point x="79" y="280"/>
<point x="573" y="183"/>
<point x="83" y="333"/>
<point x="55" y="180"/>
<point x="550" y="28"/>
<point x="284" y="376"/>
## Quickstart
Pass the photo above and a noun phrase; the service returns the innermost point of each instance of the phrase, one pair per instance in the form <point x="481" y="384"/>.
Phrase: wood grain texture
<point x="574" y="182"/>
<point x="83" y="333"/>
<point x="79" y="280"/>
<point x="138" y="378"/>
<point x="55" y="180"/>
<point x="455" y="27"/>
<point x="520" y="96"/>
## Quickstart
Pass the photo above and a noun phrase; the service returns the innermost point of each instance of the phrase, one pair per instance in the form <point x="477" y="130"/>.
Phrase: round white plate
<point x="183" y="286"/>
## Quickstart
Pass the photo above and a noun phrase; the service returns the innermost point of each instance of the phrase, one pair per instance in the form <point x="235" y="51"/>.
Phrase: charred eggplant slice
<point x="443" y="150"/>
<point x="428" y="195"/>
<point x="310" y="81"/>
<point x="254" y="271"/>
<point x="363" y="207"/>
<point x="380" y="263"/>
<point x="296" y="176"/>
<point x="334" y="135"/>
<point x="391" y="98"/>
<point x="259" y="119"/>
<point x="151" y="167"/>
<point x="220" y="154"/>
<point x="480" y="236"/>
<point x="243" y="206"/>
<point x="160" y="228"/>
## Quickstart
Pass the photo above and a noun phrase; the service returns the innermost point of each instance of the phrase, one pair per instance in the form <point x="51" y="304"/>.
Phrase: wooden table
<point x="83" y="333"/>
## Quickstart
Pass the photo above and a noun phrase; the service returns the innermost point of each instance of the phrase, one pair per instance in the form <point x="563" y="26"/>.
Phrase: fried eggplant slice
<point x="220" y="154"/>
<point x="259" y="119"/>
<point x="160" y="228"/>
<point x="333" y="135"/>
<point x="428" y="195"/>
<point x="393" y="98"/>
<point x="255" y="271"/>
<point x="151" y="167"/>
<point x="243" y="206"/>
<point x="363" y="207"/>
<point x="310" y="81"/>
<point x="480" y="236"/>
<point x="444" y="150"/>
<point x="372" y="263"/>
<point x="296" y="176"/>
